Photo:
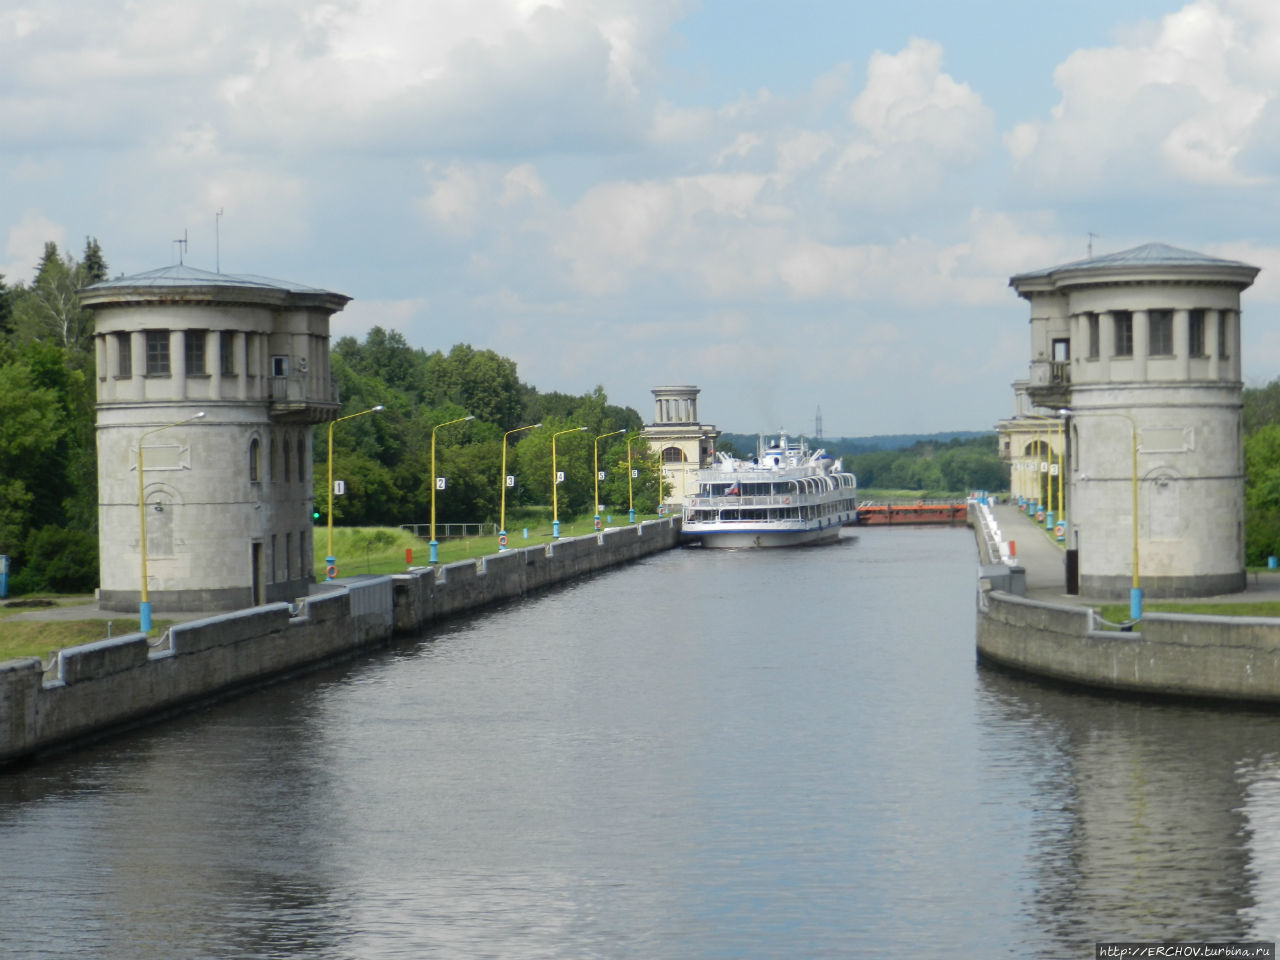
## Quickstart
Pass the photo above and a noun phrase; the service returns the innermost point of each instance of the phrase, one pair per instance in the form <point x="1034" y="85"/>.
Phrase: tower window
<point x="227" y="341"/>
<point x="255" y="460"/>
<point x="1195" y="332"/>
<point x="1123" y="320"/>
<point x="157" y="353"/>
<point x="193" y="350"/>
<point x="1093" y="335"/>
<point x="1160" y="333"/>
<point x="124" y="353"/>
<point x="280" y="366"/>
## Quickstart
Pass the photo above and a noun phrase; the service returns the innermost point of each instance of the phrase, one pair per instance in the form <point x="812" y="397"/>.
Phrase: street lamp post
<point x="595" y="463"/>
<point x="144" y="601"/>
<point x="631" y="502"/>
<point x="330" y="562"/>
<point x="1049" y="512"/>
<point x="555" y="483"/>
<point x="502" y="487"/>
<point x="434" y="482"/>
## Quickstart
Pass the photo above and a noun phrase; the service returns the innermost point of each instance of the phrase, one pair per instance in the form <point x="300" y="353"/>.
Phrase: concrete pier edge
<point x="1222" y="659"/>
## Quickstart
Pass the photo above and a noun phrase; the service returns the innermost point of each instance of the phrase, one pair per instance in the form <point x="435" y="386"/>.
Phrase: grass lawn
<point x="381" y="549"/>
<point x="1119" y="612"/>
<point x="40" y="638"/>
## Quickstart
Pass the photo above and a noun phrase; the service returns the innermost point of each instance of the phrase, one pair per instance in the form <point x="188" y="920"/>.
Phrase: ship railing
<point x="780" y="500"/>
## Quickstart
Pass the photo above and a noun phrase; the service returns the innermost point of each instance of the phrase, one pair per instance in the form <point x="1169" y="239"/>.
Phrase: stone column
<point x="240" y="360"/>
<point x="1141" y="343"/>
<point x="213" y="358"/>
<point x="106" y="352"/>
<point x="1182" y="342"/>
<point x="1106" y="343"/>
<point x="1231" y="318"/>
<point x="178" y="364"/>
<point x="1212" y="318"/>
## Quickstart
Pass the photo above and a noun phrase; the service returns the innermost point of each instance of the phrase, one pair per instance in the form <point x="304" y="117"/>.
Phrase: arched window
<point x="673" y="455"/>
<point x="255" y="457"/>
<point x="302" y="458"/>
<point x="272" y="464"/>
<point x="288" y="457"/>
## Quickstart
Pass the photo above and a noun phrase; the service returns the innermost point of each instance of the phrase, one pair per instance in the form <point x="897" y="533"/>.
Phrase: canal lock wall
<point x="1231" y="659"/>
<point x="94" y="689"/>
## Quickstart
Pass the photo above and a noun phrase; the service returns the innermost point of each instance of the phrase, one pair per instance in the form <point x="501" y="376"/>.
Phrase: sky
<point x="805" y="206"/>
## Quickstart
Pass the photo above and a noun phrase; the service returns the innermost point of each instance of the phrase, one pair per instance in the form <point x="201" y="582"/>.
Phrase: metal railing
<point x="451" y="531"/>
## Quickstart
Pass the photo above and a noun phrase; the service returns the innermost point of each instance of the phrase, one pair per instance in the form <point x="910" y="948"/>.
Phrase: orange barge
<point x="922" y="511"/>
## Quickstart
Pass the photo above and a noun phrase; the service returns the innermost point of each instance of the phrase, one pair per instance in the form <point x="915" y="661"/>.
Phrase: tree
<point x="51" y="311"/>
<point x="93" y="267"/>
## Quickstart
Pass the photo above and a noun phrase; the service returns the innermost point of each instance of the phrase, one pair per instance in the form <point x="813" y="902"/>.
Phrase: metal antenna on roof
<point x="1092" y="237"/>
<point x="182" y="247"/>
<point x="217" y="241"/>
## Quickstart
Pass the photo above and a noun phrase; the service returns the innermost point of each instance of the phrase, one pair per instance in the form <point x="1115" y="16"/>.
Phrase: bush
<point x="54" y="560"/>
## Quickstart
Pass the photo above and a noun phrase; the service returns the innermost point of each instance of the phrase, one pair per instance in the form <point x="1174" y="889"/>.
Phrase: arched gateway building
<point x="226" y="498"/>
<point x="1137" y="353"/>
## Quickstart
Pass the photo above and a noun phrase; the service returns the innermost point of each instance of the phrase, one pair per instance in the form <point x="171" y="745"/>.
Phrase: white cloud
<point x="1180" y="101"/>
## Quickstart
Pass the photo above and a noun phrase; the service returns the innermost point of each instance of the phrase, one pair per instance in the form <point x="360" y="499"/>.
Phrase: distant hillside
<point x="746" y="442"/>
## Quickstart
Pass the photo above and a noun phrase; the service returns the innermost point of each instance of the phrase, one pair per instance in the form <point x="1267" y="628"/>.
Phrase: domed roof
<point x="189" y="283"/>
<point x="1158" y="259"/>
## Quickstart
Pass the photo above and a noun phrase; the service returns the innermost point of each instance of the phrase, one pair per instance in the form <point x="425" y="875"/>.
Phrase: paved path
<point x="1044" y="561"/>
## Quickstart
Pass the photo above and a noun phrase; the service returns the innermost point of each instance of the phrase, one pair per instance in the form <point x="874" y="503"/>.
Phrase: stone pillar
<point x="178" y="364"/>
<point x="106" y="352"/>
<point x="138" y="350"/>
<point x="213" y="358"/>
<point x="1212" y="318"/>
<point x="1182" y="342"/>
<point x="1106" y="343"/>
<point x="240" y="360"/>
<point x="1141" y="343"/>
<point x="1232" y="320"/>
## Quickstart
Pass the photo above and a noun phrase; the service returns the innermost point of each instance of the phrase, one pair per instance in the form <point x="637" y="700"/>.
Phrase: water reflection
<point x="1152" y="821"/>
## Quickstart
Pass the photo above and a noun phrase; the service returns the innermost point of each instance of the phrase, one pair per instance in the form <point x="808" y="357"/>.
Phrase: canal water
<point x="710" y="754"/>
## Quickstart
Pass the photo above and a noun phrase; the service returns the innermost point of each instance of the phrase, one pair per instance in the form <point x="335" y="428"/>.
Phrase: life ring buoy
<point x="331" y="571"/>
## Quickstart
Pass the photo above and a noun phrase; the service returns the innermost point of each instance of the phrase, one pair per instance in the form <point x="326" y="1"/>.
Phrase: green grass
<point x="1119" y="613"/>
<point x="41" y="638"/>
<point x="381" y="549"/>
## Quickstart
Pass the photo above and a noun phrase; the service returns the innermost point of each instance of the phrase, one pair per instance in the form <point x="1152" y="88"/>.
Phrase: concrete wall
<point x="1224" y="658"/>
<point x="94" y="689"/>
<point x="1221" y="658"/>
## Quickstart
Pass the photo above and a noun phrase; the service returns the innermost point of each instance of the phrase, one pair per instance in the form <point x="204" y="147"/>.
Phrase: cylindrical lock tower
<point x="1139" y="353"/>
<point x="208" y="387"/>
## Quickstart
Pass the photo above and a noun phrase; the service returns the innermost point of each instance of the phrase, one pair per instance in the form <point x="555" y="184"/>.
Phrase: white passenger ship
<point x="784" y="497"/>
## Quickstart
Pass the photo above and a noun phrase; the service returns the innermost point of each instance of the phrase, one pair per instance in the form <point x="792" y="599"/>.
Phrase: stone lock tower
<point x="682" y="443"/>
<point x="226" y="497"/>
<point x="1138" y="354"/>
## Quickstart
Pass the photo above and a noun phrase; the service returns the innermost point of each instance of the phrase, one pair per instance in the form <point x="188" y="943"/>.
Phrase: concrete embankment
<point x="97" y="688"/>
<point x="1235" y="659"/>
